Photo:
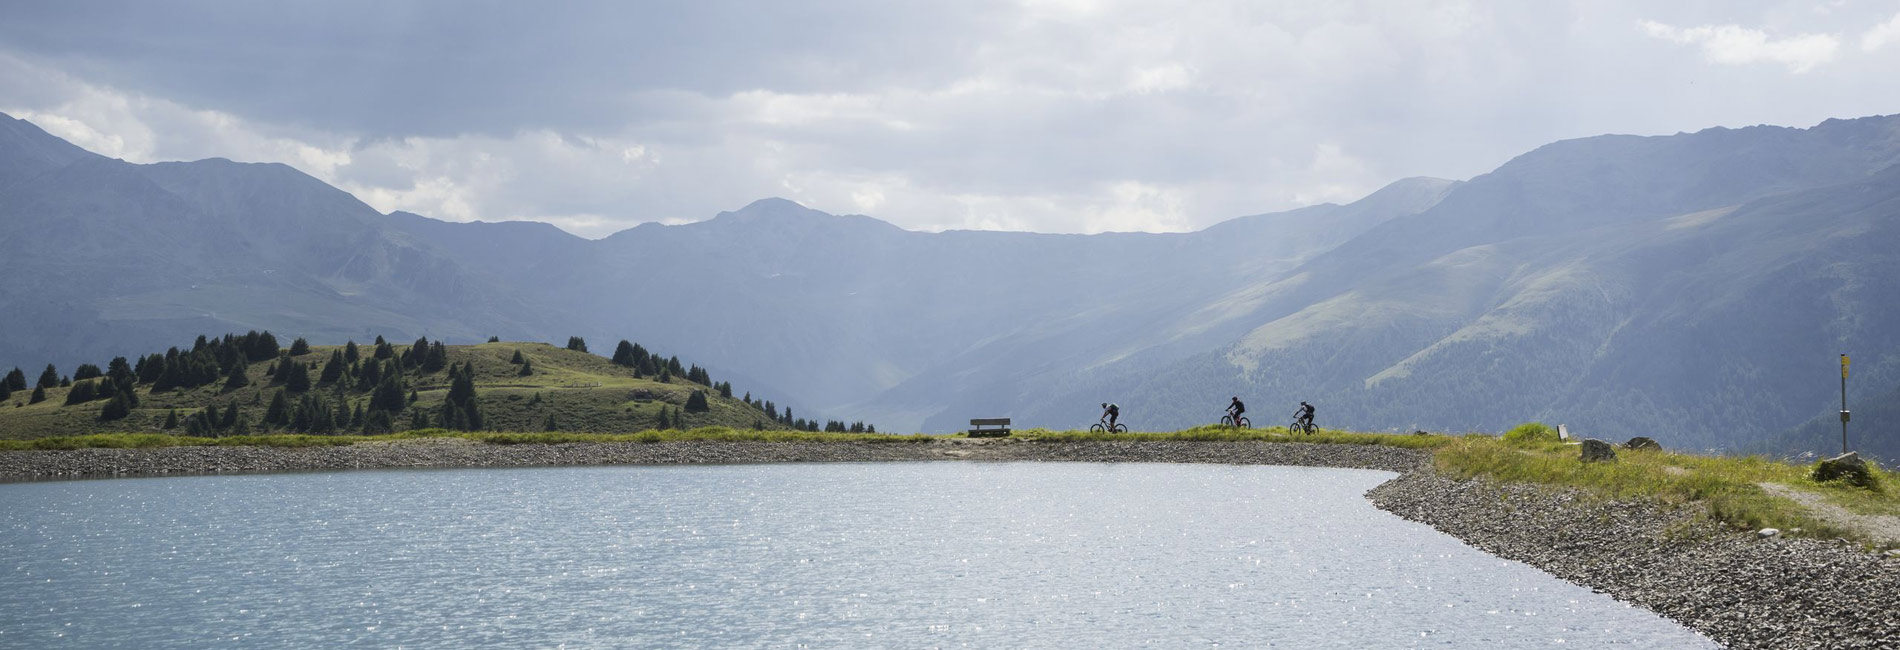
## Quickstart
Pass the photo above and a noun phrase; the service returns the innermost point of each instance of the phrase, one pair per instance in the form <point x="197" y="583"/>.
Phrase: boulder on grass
<point x="1640" y="442"/>
<point x="1598" y="451"/>
<point x="1849" y="468"/>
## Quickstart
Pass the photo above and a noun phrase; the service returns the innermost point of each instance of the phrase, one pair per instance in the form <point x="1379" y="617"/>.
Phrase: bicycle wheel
<point x="1096" y="428"/>
<point x="1120" y="428"/>
<point x="1245" y="423"/>
<point x="1227" y="420"/>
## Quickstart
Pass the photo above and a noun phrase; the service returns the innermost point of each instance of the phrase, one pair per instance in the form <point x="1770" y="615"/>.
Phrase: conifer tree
<point x="437" y="358"/>
<point x="577" y="344"/>
<point x="80" y="394"/>
<point x="300" y="347"/>
<point x="332" y="370"/>
<point x="171" y="420"/>
<point x="237" y="379"/>
<point x="6" y="391"/>
<point x="16" y="380"/>
<point x="696" y="403"/>
<point x="527" y="368"/>
<point x="39" y="395"/>
<point x="350" y="354"/>
<point x="378" y="422"/>
<point x="230" y="418"/>
<point x="623" y="354"/>
<point x="417" y="420"/>
<point x="725" y="389"/>
<point x="494" y="339"/>
<point x="65" y="382"/>
<point x="241" y="428"/>
<point x="549" y="424"/>
<point x="48" y="378"/>
<point x="518" y="359"/>
<point x="388" y="395"/>
<point x="383" y="351"/>
<point x="278" y="413"/>
<point x="299" y="380"/>
<point x="210" y="415"/>
<point x="87" y="371"/>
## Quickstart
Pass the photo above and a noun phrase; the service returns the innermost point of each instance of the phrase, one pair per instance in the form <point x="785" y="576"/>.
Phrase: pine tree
<point x="332" y="370"/>
<point x="237" y="378"/>
<point x="388" y="395"/>
<point x="49" y="378"/>
<point x="378" y="422"/>
<point x="210" y="415"/>
<point x="350" y="354"/>
<point x="623" y="354"/>
<point x="87" y="371"/>
<point x="383" y="350"/>
<point x="230" y="418"/>
<point x="116" y="408"/>
<point x="577" y="344"/>
<point x="549" y="424"/>
<point x="6" y="391"/>
<point x="79" y="394"/>
<point x="16" y="380"/>
<point x="417" y="420"/>
<point x="665" y="376"/>
<point x="299" y="380"/>
<point x="527" y="368"/>
<point x="437" y="359"/>
<point x="171" y="420"/>
<point x="278" y="414"/>
<point x="725" y="389"/>
<point x="518" y="359"/>
<point x="494" y="339"/>
<point x="696" y="403"/>
<point x="300" y="347"/>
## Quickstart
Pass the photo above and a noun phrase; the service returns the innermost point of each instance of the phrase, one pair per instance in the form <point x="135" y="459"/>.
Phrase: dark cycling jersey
<point x="1238" y="407"/>
<point x="1306" y="412"/>
<point x="1114" y="410"/>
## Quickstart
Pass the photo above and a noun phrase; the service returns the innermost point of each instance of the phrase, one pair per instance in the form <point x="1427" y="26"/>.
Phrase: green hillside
<point x="564" y="389"/>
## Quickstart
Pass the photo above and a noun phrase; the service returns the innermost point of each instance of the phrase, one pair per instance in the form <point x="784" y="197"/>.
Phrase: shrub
<point x="1530" y="433"/>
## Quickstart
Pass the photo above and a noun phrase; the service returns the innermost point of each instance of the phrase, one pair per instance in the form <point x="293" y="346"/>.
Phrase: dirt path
<point x="1883" y="529"/>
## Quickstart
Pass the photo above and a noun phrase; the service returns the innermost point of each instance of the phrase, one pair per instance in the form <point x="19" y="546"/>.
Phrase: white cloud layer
<point x="1052" y="115"/>
<point x="1737" y="45"/>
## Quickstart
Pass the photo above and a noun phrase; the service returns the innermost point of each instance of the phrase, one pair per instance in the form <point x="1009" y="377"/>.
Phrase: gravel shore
<point x="1739" y="590"/>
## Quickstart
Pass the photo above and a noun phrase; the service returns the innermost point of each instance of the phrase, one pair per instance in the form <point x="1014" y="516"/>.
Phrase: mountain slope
<point x="1687" y="287"/>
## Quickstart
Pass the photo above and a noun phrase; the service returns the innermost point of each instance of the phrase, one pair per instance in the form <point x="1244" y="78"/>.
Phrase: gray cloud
<point x="1054" y="115"/>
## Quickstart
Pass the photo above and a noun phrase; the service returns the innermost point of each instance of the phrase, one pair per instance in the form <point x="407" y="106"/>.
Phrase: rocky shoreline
<point x="1739" y="590"/>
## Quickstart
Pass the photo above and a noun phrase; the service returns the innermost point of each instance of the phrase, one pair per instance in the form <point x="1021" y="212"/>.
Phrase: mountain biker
<point x="1111" y="413"/>
<point x="1304" y="416"/>
<point x="1235" y="409"/>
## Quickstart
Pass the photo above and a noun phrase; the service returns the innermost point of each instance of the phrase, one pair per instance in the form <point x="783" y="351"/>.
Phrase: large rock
<point x="1640" y="442"/>
<point x="1849" y="468"/>
<point x="1598" y="451"/>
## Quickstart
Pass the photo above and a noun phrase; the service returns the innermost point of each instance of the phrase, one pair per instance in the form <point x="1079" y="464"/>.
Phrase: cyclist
<point x="1304" y="416"/>
<point x="1235" y="409"/>
<point x="1111" y="413"/>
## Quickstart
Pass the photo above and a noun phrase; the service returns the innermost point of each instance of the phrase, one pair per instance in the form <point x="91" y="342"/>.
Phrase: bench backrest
<point x="984" y="422"/>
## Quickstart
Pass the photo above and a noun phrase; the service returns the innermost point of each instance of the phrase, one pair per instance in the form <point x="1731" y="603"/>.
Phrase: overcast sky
<point x="1045" y="115"/>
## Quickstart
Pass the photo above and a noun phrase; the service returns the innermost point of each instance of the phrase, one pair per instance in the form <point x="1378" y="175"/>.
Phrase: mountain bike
<point x="1301" y="426"/>
<point x="1228" y="421"/>
<point x="1103" y="427"/>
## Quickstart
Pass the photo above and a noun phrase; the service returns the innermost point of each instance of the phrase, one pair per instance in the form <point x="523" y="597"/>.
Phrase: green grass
<point x="1727" y="486"/>
<point x="1217" y="433"/>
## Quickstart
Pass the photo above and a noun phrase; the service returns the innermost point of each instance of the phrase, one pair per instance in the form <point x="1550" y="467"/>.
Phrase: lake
<point x="944" y="554"/>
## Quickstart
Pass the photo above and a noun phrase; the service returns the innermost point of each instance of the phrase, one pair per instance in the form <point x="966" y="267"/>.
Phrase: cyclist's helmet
<point x="1104" y="404"/>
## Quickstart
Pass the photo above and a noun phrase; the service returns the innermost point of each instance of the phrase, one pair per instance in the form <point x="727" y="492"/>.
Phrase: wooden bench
<point x="977" y="430"/>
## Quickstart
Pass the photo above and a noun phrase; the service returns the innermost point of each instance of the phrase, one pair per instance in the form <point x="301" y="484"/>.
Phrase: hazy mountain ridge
<point x="1620" y="284"/>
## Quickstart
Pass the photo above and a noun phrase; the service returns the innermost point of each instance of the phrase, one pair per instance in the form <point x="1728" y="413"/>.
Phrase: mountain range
<point x="1695" y="288"/>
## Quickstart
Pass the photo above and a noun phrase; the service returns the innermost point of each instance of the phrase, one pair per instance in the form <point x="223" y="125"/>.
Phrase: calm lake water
<point x="952" y="554"/>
